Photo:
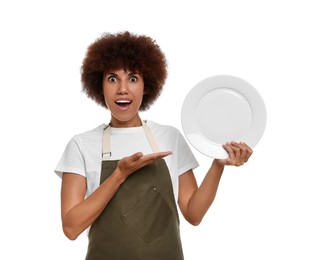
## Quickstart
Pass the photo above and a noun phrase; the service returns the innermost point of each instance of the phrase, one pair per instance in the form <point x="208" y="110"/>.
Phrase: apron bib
<point x="141" y="220"/>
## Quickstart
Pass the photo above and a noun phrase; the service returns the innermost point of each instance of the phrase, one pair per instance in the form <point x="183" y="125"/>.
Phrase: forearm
<point x="203" y="197"/>
<point x="79" y="213"/>
<point x="81" y="216"/>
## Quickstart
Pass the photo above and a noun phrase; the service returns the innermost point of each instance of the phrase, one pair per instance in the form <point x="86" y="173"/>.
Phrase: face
<point x="123" y="92"/>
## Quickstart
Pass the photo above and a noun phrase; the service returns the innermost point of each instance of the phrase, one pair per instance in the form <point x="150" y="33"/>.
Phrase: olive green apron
<point x="141" y="220"/>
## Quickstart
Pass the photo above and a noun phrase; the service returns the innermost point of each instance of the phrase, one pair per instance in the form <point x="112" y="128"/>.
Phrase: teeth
<point x="123" y="101"/>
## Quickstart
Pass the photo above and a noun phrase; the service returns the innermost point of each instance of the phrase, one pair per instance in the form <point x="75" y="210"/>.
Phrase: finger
<point x="234" y="153"/>
<point x="127" y="162"/>
<point x="155" y="156"/>
<point x="145" y="160"/>
<point x="246" y="151"/>
<point x="229" y="150"/>
<point x="247" y="148"/>
<point x="130" y="164"/>
<point x="134" y="157"/>
<point x="163" y="154"/>
<point x="237" y="151"/>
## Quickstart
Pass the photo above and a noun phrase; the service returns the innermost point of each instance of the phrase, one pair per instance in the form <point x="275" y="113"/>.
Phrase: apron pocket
<point x="149" y="217"/>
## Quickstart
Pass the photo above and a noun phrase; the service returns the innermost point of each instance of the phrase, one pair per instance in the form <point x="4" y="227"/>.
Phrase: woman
<point x="122" y="181"/>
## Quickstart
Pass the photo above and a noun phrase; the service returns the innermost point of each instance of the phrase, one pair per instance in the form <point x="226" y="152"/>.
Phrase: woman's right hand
<point x="130" y="164"/>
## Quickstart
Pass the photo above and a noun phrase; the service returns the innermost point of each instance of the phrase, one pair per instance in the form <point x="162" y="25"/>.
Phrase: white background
<point x="263" y="210"/>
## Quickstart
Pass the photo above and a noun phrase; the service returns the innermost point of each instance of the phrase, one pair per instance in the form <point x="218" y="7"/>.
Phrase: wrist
<point x="118" y="176"/>
<point x="218" y="164"/>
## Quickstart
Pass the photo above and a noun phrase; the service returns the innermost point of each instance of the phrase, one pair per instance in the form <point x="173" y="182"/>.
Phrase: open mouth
<point x="123" y="103"/>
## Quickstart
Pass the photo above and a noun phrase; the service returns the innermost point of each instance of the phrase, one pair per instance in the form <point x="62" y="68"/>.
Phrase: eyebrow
<point x="129" y="74"/>
<point x="111" y="74"/>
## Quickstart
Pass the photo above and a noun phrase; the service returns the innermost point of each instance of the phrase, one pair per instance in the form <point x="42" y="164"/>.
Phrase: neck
<point x="136" y="121"/>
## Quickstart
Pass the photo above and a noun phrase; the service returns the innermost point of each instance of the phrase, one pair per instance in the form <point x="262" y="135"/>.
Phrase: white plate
<point x="220" y="109"/>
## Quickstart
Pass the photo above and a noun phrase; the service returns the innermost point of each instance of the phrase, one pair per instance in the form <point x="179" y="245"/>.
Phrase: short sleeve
<point x="72" y="159"/>
<point x="186" y="160"/>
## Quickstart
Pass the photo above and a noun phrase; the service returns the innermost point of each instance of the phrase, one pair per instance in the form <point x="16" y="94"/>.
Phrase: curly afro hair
<point x="124" y="50"/>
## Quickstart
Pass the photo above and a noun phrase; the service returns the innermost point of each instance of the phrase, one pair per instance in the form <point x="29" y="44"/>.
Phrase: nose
<point x="123" y="87"/>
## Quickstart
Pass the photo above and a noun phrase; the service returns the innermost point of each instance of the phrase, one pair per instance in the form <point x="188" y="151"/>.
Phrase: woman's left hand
<point x="238" y="154"/>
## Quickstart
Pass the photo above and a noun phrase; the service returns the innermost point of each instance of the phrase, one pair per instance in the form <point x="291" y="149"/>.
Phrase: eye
<point x="133" y="79"/>
<point x="112" y="79"/>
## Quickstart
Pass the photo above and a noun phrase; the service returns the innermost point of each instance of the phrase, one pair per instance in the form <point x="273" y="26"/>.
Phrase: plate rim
<point x="243" y="87"/>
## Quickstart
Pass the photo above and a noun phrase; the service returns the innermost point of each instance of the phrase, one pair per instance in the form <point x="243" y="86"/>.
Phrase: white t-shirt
<point x="83" y="153"/>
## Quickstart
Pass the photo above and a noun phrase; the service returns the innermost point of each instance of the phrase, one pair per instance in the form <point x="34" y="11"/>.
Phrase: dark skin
<point x="78" y="212"/>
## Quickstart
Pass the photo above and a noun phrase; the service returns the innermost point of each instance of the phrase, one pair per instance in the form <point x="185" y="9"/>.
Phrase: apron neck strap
<point x="106" y="143"/>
